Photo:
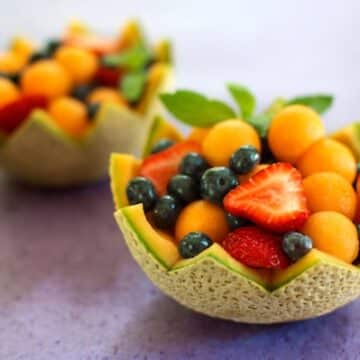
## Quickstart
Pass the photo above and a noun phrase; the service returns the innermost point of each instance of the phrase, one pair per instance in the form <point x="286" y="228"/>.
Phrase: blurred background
<point x="276" y="47"/>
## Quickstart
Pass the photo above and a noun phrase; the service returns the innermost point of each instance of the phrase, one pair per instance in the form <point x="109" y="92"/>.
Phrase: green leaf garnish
<point x="244" y="99"/>
<point x="319" y="102"/>
<point x="133" y="59"/>
<point x="132" y="85"/>
<point x="195" y="109"/>
<point x="261" y="123"/>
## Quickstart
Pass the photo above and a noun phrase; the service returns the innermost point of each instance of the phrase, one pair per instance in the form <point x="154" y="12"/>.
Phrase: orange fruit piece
<point x="10" y="62"/>
<point x="8" y="92"/>
<point x="202" y="216"/>
<point x="81" y="64"/>
<point x="105" y="94"/>
<point x="245" y="177"/>
<point x="327" y="191"/>
<point x="47" y="78"/>
<point x="333" y="233"/>
<point x="198" y="134"/>
<point x="70" y="115"/>
<point x="225" y="138"/>
<point x="328" y="155"/>
<point x="292" y="131"/>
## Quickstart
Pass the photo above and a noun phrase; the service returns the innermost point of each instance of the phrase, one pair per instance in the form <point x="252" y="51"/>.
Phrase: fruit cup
<point x="66" y="106"/>
<point x="229" y="229"/>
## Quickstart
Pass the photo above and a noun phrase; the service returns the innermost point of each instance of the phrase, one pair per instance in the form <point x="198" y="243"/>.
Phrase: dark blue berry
<point x="184" y="188"/>
<point x="92" y="110"/>
<point x="51" y="46"/>
<point x="81" y="92"/>
<point x="37" y="56"/>
<point x="193" y="165"/>
<point x="216" y="182"/>
<point x="162" y="145"/>
<point x="141" y="190"/>
<point x="235" y="222"/>
<point x="296" y="245"/>
<point x="166" y="211"/>
<point x="193" y="244"/>
<point x="244" y="160"/>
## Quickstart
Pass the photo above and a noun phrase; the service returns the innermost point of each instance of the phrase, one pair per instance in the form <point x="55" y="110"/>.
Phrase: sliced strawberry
<point x="273" y="198"/>
<point x="160" y="167"/>
<point x="13" y="114"/>
<point x="107" y="76"/>
<point x="98" y="45"/>
<point x="256" y="248"/>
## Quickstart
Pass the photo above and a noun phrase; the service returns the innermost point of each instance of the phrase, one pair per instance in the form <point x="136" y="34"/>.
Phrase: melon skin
<point x="40" y="154"/>
<point x="215" y="284"/>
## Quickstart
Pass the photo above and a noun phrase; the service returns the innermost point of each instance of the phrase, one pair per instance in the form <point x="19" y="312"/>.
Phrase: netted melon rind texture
<point x="209" y="288"/>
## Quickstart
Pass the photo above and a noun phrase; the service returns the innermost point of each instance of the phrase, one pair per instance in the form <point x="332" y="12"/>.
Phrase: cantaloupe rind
<point x="215" y="284"/>
<point x="42" y="154"/>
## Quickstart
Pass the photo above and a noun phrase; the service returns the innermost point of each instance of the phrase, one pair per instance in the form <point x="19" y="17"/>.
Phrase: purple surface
<point x="70" y="290"/>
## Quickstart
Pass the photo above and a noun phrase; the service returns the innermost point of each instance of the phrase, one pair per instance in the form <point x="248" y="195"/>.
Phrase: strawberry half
<point x="13" y="114"/>
<point x="161" y="167"/>
<point x="256" y="248"/>
<point x="107" y="76"/>
<point x="273" y="198"/>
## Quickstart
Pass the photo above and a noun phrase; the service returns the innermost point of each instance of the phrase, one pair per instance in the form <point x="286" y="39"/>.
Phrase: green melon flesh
<point x="350" y="136"/>
<point x="40" y="153"/>
<point x="215" y="284"/>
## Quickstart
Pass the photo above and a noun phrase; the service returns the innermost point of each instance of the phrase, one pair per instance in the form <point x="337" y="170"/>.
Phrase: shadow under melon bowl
<point x="40" y="153"/>
<point x="215" y="284"/>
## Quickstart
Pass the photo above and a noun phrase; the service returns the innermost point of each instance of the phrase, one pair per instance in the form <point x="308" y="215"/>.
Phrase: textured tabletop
<point x="70" y="290"/>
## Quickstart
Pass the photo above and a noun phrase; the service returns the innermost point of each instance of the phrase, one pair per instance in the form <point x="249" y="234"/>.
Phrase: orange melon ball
<point x="333" y="233"/>
<point x="79" y="63"/>
<point x="47" y="78"/>
<point x="202" y="216"/>
<point x="245" y="177"/>
<point x="326" y="191"/>
<point x="328" y="155"/>
<point x="225" y="138"/>
<point x="292" y="131"/>
<point x="198" y="134"/>
<point x="8" y="92"/>
<point x="10" y="62"/>
<point x="105" y="94"/>
<point x="70" y="115"/>
<point x="22" y="47"/>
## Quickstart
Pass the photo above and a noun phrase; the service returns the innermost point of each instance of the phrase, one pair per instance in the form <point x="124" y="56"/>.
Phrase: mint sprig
<point x="132" y="85"/>
<point x="244" y="98"/>
<point x="319" y="102"/>
<point x="195" y="109"/>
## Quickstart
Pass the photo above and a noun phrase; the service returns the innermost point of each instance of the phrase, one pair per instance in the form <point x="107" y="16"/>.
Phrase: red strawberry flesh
<point x="161" y="167"/>
<point x="256" y="248"/>
<point x="108" y="76"/>
<point x="273" y="198"/>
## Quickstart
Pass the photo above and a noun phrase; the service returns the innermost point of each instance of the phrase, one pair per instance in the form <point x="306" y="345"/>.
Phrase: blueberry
<point x="193" y="244"/>
<point x="81" y="92"/>
<point x="243" y="160"/>
<point x="184" y="188"/>
<point x="37" y="56"/>
<point x="235" y="222"/>
<point x="216" y="182"/>
<point x="162" y="145"/>
<point x="92" y="110"/>
<point x="141" y="190"/>
<point x="193" y="165"/>
<point x="51" y="46"/>
<point x="296" y="245"/>
<point x="166" y="211"/>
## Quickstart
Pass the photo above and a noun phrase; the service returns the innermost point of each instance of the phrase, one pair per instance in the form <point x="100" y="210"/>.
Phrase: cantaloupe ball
<point x="79" y="63"/>
<point x="22" y="46"/>
<point x="333" y="233"/>
<point x="225" y="138"/>
<point x="204" y="217"/>
<point x="9" y="92"/>
<point x="328" y="155"/>
<point x="292" y="131"/>
<point x="198" y="134"/>
<point x="70" y="115"/>
<point x="106" y="94"/>
<point x="47" y="78"/>
<point x="10" y="62"/>
<point x="327" y="191"/>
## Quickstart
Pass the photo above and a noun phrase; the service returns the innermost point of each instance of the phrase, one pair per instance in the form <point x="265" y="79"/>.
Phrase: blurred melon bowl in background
<point x="66" y="106"/>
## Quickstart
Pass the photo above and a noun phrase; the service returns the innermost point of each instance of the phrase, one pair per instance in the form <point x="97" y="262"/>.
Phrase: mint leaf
<point x="319" y="102"/>
<point x="132" y="85"/>
<point x="195" y="109"/>
<point x="261" y="123"/>
<point x="244" y="99"/>
<point x="133" y="59"/>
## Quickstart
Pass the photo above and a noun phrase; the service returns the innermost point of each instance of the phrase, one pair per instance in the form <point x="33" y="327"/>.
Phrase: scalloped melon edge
<point x="215" y="284"/>
<point x="42" y="154"/>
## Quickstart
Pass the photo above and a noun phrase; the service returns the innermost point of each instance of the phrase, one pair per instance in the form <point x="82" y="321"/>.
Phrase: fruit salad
<point x="245" y="201"/>
<point x="71" y="87"/>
